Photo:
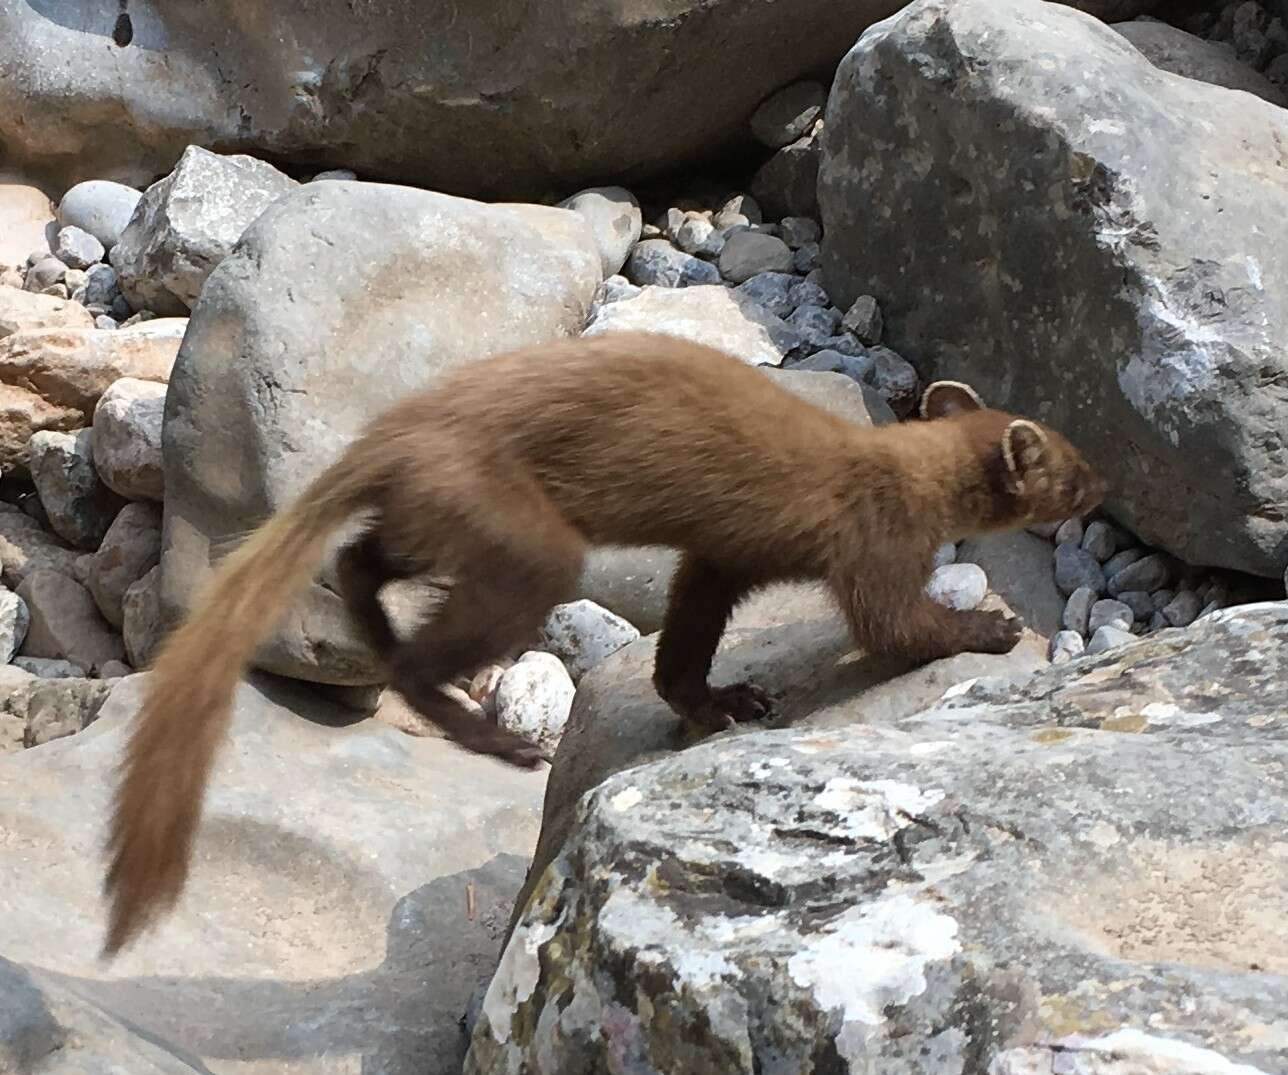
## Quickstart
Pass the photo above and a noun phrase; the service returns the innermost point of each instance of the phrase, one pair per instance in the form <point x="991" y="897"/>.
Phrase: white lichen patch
<point x="870" y="958"/>
<point x="1170" y="715"/>
<point x="658" y="937"/>
<point x="516" y="977"/>
<point x="626" y="799"/>
<point x="1123" y="1052"/>
<point x="873" y="809"/>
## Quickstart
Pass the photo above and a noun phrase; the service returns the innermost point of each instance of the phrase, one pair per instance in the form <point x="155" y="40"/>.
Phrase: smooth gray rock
<point x="895" y="379"/>
<point x="143" y="623"/>
<point x="187" y="223"/>
<point x="100" y="207"/>
<point x="717" y="316"/>
<point x="655" y="262"/>
<point x="1172" y="49"/>
<point x="1108" y="637"/>
<point x="1183" y="609"/>
<point x="66" y="624"/>
<point x="1101" y="539"/>
<point x="1077" y="610"/>
<point x="1018" y="566"/>
<point x="749" y="253"/>
<point x="1140" y="602"/>
<point x="787" y="183"/>
<point x="1110" y="613"/>
<point x="130" y="549"/>
<point x="788" y="114"/>
<point x="614" y="218"/>
<point x="1151" y="572"/>
<point x="1043" y="217"/>
<point x="77" y="248"/>
<point x="816" y="324"/>
<point x="79" y="505"/>
<point x="1066" y="646"/>
<point x="26" y="546"/>
<point x="286" y="358"/>
<point x="582" y="633"/>
<point x="127" y="438"/>
<point x="349" y="891"/>
<point x="895" y="898"/>
<point x="1076" y="568"/>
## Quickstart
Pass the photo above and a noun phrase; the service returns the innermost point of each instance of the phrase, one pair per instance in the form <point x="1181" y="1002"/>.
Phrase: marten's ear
<point x="1024" y="451"/>
<point x="946" y="398"/>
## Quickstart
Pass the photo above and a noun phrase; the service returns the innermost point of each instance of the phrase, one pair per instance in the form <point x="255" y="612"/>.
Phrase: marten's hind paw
<point x="508" y="747"/>
<point x="731" y="705"/>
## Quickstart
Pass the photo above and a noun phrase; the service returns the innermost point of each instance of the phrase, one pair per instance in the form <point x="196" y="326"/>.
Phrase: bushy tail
<point x="190" y="694"/>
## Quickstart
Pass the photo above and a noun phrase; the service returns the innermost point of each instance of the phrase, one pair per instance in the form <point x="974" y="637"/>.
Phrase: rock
<point x="127" y="438"/>
<point x="44" y="274"/>
<point x="335" y="175"/>
<point x="130" y="549"/>
<point x="80" y="507"/>
<point x="1046" y="531"/>
<point x="49" y="668"/>
<point x="1100" y="539"/>
<point x="187" y="223"/>
<point x="100" y="207"/>
<point x="1110" y="613"/>
<point x="101" y="286"/>
<point x="959" y="586"/>
<point x="657" y="262"/>
<point x="787" y="183"/>
<point x="142" y="628"/>
<point x="1066" y="646"/>
<point x="342" y="869"/>
<point x="65" y="623"/>
<point x="1018" y="567"/>
<point x="26" y="217"/>
<point x="717" y="316"/>
<point x="1121" y="560"/>
<point x="972" y="119"/>
<point x="698" y="237"/>
<point x="836" y="393"/>
<point x="775" y="291"/>
<point x="1140" y="602"/>
<point x="805" y="260"/>
<point x="632" y="582"/>
<point x="115" y="670"/>
<point x="533" y="699"/>
<point x="742" y="205"/>
<point x="800" y="231"/>
<point x="857" y="368"/>
<point x="283" y="341"/>
<point x="906" y="862"/>
<point x="53" y="378"/>
<point x="582" y="633"/>
<point x="1075" y="568"/>
<point x="788" y="114"/>
<point x="482" y="689"/>
<point x="25" y="546"/>
<point x="1183" y="609"/>
<point x="1077" y="610"/>
<point x="895" y="380"/>
<point x="1172" y="49"/>
<point x="14" y="621"/>
<point x="57" y="708"/>
<point x="864" y="320"/>
<point x="77" y="248"/>
<point x="21" y="310"/>
<point x="815" y="324"/>
<point x="807" y="292"/>
<point x="614" y="218"/>
<point x="945" y="554"/>
<point x="1160" y="599"/>
<point x="748" y="253"/>
<point x="1072" y="532"/>
<point x="1148" y="573"/>
<point x="1108" y="637"/>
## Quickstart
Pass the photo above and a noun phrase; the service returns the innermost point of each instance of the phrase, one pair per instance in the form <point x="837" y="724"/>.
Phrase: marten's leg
<point x="505" y="585"/>
<point x="888" y="611"/>
<point x="362" y="568"/>
<point x="701" y="600"/>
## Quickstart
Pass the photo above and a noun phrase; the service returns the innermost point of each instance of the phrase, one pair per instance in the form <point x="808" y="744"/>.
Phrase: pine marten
<point x="504" y="472"/>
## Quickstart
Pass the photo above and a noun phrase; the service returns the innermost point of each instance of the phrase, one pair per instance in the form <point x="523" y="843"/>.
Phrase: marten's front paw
<point x="727" y="706"/>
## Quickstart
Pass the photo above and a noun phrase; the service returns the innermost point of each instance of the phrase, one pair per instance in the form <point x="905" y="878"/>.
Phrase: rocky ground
<point x="1068" y="858"/>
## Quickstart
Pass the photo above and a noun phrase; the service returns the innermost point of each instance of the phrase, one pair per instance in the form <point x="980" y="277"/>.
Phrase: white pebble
<point x="534" y="698"/>
<point x="958" y="586"/>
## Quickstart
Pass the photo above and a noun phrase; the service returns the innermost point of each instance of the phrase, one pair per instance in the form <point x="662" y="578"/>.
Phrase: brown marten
<point x="504" y="472"/>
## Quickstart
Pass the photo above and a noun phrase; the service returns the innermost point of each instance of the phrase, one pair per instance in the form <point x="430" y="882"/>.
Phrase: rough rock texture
<point x="1172" y="49"/>
<point x="25" y="218"/>
<point x="21" y="311"/>
<point x="705" y="313"/>
<point x="614" y="217"/>
<point x="78" y="505"/>
<point x="54" y="707"/>
<point x="127" y="438"/>
<point x="26" y="546"/>
<point x="340" y="299"/>
<point x="130" y="549"/>
<point x="187" y="223"/>
<point x="582" y="633"/>
<point x="349" y="891"/>
<point x="65" y="622"/>
<point x="1014" y="880"/>
<point x="53" y="378"/>
<point x="497" y="99"/>
<point x="14" y="621"/>
<point x="142" y="626"/>
<point x="1063" y="232"/>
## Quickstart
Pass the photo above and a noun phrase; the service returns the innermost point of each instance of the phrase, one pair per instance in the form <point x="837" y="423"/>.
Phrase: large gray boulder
<point x="1014" y="880"/>
<point x="1084" y="238"/>
<point x="187" y="223"/>
<point x="1172" y="49"/>
<point x="341" y="299"/>
<point x="350" y="889"/>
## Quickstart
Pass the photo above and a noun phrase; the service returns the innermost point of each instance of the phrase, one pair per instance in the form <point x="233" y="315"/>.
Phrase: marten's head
<point x="1028" y="472"/>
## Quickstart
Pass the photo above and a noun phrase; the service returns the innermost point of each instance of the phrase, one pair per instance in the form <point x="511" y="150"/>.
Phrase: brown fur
<point x="506" y="471"/>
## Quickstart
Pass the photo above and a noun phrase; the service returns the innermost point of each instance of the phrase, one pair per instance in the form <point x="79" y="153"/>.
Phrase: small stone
<point x="1158" y="622"/>
<point x="136" y="319"/>
<point x="74" y="282"/>
<point x="1070" y="531"/>
<point x="534" y="698"/>
<point x="1065" y="646"/>
<point x="743" y="205"/>
<point x="1209" y="608"/>
<point x="864" y="319"/>
<point x="1140" y="602"/>
<point x="696" y="236"/>
<point x="100" y="207"/>
<point x="14" y="621"/>
<point x="1148" y="573"/>
<point x="1077" y="610"/>
<point x="856" y="367"/>
<point x="1108" y="638"/>
<point x="57" y="291"/>
<point x="1047" y="531"/>
<point x="895" y="379"/>
<point x="142" y="615"/>
<point x="483" y="686"/>
<point x="787" y="183"/>
<point x="816" y="324"/>
<point x="1110" y="613"/>
<point x="124" y="312"/>
<point x="47" y="272"/>
<point x="613" y="216"/>
<point x="958" y="586"/>
<point x="1160" y="599"/>
<point x="127" y="438"/>
<point x="104" y="322"/>
<point x="1121" y="560"/>
<point x="788" y="114"/>
<point x="77" y="248"/>
<point x="1183" y="609"/>
<point x="115" y="670"/>
<point x="65" y="622"/>
<point x="808" y="293"/>
<point x="615" y="288"/>
<point x="775" y="291"/>
<point x="335" y="175"/>
<point x="101" y="286"/>
<point x="130" y="549"/>
<point x="796" y="231"/>
<point x="848" y="345"/>
<point x="728" y="223"/>
<point x="80" y="507"/>
<point x="805" y="260"/>
<point x="747" y="253"/>
<point x="1100" y="539"/>
<point x="49" y="668"/>
<point x="1075" y="568"/>
<point x="582" y="633"/>
<point x="656" y="261"/>
<point x="945" y="554"/>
